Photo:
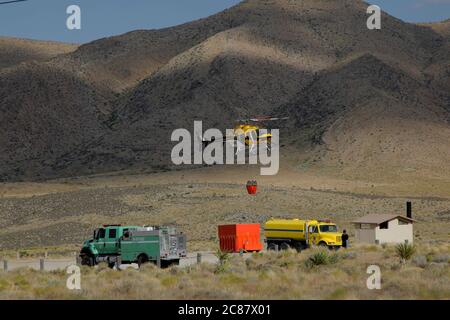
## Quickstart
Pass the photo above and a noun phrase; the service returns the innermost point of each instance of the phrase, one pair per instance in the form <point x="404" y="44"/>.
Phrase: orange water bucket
<point x="252" y="187"/>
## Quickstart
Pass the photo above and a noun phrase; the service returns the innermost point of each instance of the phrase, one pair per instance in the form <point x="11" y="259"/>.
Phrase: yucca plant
<point x="405" y="251"/>
<point x="317" y="259"/>
<point x="223" y="257"/>
<point x="322" y="257"/>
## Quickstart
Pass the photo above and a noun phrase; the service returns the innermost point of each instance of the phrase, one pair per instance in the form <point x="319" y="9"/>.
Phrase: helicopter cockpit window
<point x="253" y="135"/>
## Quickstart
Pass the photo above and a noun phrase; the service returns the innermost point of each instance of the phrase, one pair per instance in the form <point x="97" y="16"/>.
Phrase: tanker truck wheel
<point x="298" y="246"/>
<point x="323" y="245"/>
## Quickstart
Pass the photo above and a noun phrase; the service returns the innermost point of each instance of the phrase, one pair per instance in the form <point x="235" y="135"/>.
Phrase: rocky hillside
<point x="15" y="51"/>
<point x="358" y="99"/>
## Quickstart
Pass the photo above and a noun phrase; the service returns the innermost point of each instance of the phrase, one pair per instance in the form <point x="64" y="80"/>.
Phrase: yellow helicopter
<point x="246" y="134"/>
<point x="252" y="132"/>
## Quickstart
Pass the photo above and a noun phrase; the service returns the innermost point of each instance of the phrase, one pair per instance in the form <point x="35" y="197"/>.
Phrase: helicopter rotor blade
<point x="11" y="1"/>
<point x="262" y="119"/>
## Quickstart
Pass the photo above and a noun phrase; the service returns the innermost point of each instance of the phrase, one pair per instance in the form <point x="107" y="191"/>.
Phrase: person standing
<point x="344" y="239"/>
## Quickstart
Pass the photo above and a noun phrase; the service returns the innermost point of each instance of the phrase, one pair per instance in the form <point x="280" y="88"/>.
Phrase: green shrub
<point x="321" y="258"/>
<point x="349" y="255"/>
<point x="224" y="258"/>
<point x="442" y="258"/>
<point x="333" y="258"/>
<point x="318" y="258"/>
<point x="405" y="251"/>
<point x="420" y="261"/>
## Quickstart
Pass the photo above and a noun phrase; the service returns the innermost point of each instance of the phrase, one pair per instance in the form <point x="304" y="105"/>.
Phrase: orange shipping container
<point x="235" y="237"/>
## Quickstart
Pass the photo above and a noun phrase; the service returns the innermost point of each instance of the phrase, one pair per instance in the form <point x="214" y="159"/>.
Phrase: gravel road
<point x="63" y="263"/>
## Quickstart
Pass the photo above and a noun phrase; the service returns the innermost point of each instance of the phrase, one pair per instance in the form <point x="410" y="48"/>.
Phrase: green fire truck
<point x="117" y="244"/>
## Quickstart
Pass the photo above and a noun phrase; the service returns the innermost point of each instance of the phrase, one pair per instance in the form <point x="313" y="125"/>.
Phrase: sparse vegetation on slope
<point x="14" y="51"/>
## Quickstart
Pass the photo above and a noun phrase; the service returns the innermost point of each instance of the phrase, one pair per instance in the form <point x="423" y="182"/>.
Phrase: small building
<point x="384" y="228"/>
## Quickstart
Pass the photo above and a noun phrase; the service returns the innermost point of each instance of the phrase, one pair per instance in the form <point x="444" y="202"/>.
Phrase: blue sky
<point x="46" y="19"/>
<point x="416" y="10"/>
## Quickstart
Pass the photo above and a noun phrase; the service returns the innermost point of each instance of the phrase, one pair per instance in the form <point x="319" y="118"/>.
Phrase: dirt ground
<point x="64" y="212"/>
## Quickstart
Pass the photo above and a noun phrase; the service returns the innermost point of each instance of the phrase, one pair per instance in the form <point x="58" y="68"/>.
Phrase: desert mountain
<point x="15" y="51"/>
<point x="368" y="114"/>
<point x="45" y="112"/>
<point x="442" y="27"/>
<point x="439" y="67"/>
<point x="358" y="98"/>
<point x="120" y="62"/>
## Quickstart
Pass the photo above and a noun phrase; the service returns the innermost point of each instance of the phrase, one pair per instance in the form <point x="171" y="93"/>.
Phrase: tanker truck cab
<point x="325" y="233"/>
<point x="301" y="234"/>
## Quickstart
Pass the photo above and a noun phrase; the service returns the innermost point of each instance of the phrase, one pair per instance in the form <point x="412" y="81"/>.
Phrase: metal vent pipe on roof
<point x="409" y="209"/>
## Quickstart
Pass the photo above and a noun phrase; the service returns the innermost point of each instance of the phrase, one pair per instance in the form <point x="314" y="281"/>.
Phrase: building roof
<point x="380" y="218"/>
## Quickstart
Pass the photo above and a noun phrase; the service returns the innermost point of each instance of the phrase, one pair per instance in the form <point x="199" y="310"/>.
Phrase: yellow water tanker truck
<point x="300" y="234"/>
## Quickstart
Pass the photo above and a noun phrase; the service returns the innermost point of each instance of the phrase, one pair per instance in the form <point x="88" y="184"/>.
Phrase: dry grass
<point x="284" y="275"/>
<point x="62" y="251"/>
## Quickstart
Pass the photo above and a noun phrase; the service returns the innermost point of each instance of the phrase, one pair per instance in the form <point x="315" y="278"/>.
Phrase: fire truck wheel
<point x="176" y="262"/>
<point x="142" y="259"/>
<point x="87" y="261"/>
<point x="167" y="264"/>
